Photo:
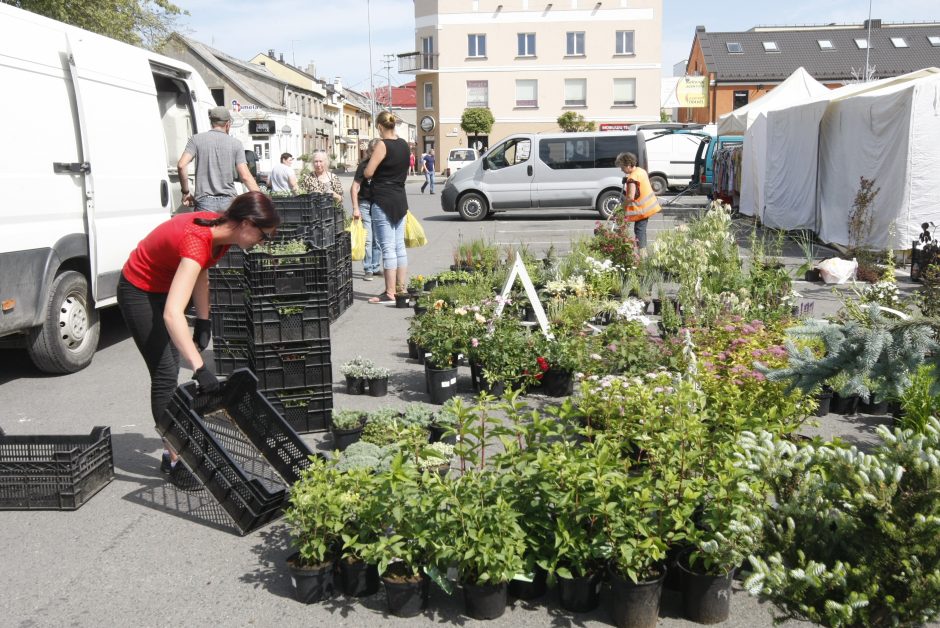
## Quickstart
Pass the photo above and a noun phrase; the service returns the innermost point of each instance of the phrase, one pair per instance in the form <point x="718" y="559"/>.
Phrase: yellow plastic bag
<point x="414" y="232"/>
<point x="357" y="233"/>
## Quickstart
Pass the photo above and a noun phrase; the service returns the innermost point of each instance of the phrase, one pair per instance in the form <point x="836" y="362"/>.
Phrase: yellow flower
<point x="439" y="304"/>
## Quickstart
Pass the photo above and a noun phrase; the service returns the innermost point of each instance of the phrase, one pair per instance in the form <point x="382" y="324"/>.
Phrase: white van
<point x="670" y="153"/>
<point x="458" y="158"/>
<point x="544" y="171"/>
<point x="93" y="129"/>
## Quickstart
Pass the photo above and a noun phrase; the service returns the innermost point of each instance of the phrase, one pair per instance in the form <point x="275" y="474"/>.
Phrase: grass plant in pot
<point x="346" y="426"/>
<point x="356" y="372"/>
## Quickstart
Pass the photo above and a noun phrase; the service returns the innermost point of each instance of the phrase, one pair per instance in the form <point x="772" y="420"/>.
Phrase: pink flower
<point x="611" y="347"/>
<point x="757" y="353"/>
<point x="758" y="376"/>
<point x="729" y="328"/>
<point x="474" y="342"/>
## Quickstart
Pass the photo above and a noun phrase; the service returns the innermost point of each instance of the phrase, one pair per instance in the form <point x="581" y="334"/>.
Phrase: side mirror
<point x="486" y="164"/>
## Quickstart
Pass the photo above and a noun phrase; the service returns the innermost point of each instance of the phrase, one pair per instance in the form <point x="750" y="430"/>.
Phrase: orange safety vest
<point x="645" y="204"/>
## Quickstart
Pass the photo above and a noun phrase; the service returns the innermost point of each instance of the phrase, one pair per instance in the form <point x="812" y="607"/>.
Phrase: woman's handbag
<point x="357" y="235"/>
<point x="414" y="232"/>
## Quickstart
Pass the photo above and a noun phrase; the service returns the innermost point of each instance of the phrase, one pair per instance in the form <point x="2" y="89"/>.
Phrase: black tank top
<point x="388" y="182"/>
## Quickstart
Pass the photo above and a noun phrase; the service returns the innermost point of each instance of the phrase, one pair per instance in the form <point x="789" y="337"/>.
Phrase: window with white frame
<point x="525" y="44"/>
<point x="576" y="92"/>
<point x="527" y="93"/>
<point x="625" y="92"/>
<point x="825" y="44"/>
<point x="428" y="95"/>
<point x="771" y="46"/>
<point x="899" y="42"/>
<point x="476" y="45"/>
<point x="934" y="40"/>
<point x="862" y="43"/>
<point x="625" y="43"/>
<point x="478" y="93"/>
<point x="574" y="44"/>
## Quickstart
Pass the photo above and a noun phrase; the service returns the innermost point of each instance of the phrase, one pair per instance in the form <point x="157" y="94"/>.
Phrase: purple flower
<point x="729" y="328"/>
<point x="611" y="347"/>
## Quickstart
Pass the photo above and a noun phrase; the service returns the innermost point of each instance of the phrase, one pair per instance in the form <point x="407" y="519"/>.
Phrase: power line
<point x="387" y="61"/>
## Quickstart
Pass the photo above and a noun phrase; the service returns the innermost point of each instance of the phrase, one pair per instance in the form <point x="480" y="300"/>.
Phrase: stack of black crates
<point x="271" y="313"/>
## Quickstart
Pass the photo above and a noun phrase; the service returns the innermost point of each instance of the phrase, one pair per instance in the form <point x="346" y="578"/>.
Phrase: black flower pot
<point x="402" y="301"/>
<point x="378" y="387"/>
<point x="812" y="275"/>
<point x="580" y="594"/>
<point x="422" y="354"/>
<point x="355" y="385"/>
<point x="824" y="401"/>
<point x="874" y="405"/>
<point x="442" y="383"/>
<point x="441" y="434"/>
<point x="413" y="291"/>
<point x="412" y="349"/>
<point x="406" y="597"/>
<point x="657" y="306"/>
<point x="358" y="578"/>
<point x="635" y="604"/>
<point x="476" y="376"/>
<point x="844" y="405"/>
<point x="556" y="383"/>
<point x="420" y="309"/>
<point x="344" y="438"/>
<point x="525" y="590"/>
<point x="430" y="284"/>
<point x="706" y="598"/>
<point x="484" y="601"/>
<point x="311" y="584"/>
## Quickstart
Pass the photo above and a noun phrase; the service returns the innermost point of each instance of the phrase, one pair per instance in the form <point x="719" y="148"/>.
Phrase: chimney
<point x="281" y="57"/>
<point x="875" y="23"/>
<point x="338" y="84"/>
<point x="271" y="52"/>
<point x="700" y="29"/>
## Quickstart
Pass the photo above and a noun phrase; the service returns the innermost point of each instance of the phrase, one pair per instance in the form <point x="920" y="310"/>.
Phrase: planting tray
<point x="305" y="409"/>
<point x="293" y="364"/>
<point x="287" y="320"/>
<point x="270" y="275"/>
<point x="54" y="472"/>
<point x="231" y="440"/>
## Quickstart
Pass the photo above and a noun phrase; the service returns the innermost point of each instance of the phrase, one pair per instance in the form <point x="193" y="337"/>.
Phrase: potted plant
<point x="356" y="372"/>
<point x="357" y="578"/>
<point x="346" y="427"/>
<point x="377" y="379"/>
<point x="416" y="284"/>
<point x="387" y="426"/>
<point x="402" y="297"/>
<point x="509" y="356"/>
<point x="808" y="269"/>
<point x="443" y="424"/>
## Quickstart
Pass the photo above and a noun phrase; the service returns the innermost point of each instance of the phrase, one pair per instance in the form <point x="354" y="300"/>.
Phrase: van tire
<point x="472" y="207"/>
<point x="659" y="184"/>
<point x="68" y="338"/>
<point x="607" y="201"/>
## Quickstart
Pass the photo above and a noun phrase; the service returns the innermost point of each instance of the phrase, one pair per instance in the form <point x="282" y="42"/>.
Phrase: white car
<point x="458" y="158"/>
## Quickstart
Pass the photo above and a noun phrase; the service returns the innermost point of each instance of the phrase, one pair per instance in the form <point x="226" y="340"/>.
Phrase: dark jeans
<point x="143" y="314"/>
<point x="639" y="231"/>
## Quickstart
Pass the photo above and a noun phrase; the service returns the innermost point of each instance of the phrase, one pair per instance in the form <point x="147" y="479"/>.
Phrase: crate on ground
<point x="249" y="501"/>
<point x="339" y="219"/>
<point x="269" y="275"/>
<point x="341" y="300"/>
<point x="344" y="245"/>
<point x="230" y="355"/>
<point x="229" y="322"/>
<point x="305" y="409"/>
<point x="287" y="319"/>
<point x="234" y="258"/>
<point x="322" y="235"/>
<point x="54" y="472"/>
<point x="227" y="286"/>
<point x="293" y="364"/>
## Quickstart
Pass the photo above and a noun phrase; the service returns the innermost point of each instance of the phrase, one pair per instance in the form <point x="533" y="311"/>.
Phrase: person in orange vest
<point x="639" y="202"/>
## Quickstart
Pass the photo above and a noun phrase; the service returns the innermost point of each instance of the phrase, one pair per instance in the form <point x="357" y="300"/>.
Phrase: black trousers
<point x="143" y="314"/>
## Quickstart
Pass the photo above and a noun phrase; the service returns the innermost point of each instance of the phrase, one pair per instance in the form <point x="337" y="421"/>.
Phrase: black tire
<point x="607" y="201"/>
<point x="472" y="206"/>
<point x="68" y="337"/>
<point x="659" y="184"/>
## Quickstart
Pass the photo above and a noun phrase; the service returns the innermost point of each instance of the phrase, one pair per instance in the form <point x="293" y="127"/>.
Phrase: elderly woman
<point x="321" y="180"/>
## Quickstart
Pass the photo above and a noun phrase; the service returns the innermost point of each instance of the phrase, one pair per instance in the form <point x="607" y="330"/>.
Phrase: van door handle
<point x="529" y="170"/>
<point x="71" y="168"/>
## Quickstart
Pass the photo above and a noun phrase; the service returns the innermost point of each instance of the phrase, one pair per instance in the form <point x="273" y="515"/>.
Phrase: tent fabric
<point x="799" y="87"/>
<point x="888" y="135"/>
<point x="790" y="200"/>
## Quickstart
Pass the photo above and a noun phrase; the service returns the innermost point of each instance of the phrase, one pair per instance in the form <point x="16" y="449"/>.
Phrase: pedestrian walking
<point x="427" y="167"/>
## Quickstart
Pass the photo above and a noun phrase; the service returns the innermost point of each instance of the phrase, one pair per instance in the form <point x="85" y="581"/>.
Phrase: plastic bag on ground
<point x="835" y="270"/>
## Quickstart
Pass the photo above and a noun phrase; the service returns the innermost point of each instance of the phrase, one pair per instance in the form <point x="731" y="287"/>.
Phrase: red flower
<point x="543" y="364"/>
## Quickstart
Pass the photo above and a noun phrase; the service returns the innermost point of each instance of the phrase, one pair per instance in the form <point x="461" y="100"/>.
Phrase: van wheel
<point x="658" y="184"/>
<point x="68" y="338"/>
<point x="472" y="206"/>
<point x="608" y="201"/>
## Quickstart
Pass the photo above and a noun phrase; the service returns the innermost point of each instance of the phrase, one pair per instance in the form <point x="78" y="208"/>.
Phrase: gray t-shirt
<point x="279" y="179"/>
<point x="217" y="154"/>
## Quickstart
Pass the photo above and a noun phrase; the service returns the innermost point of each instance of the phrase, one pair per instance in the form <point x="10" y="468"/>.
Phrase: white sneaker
<point x="367" y="277"/>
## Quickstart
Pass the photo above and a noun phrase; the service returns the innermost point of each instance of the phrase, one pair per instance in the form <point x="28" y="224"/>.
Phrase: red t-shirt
<point x="153" y="264"/>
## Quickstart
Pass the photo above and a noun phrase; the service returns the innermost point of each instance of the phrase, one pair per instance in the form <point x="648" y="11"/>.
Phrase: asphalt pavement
<point x="141" y="553"/>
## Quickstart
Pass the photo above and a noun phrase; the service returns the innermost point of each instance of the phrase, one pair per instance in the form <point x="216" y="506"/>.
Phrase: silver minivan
<point x="543" y="171"/>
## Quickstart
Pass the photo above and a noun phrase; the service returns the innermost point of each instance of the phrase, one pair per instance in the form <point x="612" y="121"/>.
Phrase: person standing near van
<point x="218" y="158"/>
<point x="361" y="193"/>
<point x="282" y="177"/>
<point x="639" y="201"/>
<point x="427" y="167"/>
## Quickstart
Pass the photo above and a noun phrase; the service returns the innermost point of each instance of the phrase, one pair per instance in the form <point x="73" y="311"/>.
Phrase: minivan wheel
<point x="472" y="206"/>
<point x="658" y="184"/>
<point x="68" y="338"/>
<point x="608" y="201"/>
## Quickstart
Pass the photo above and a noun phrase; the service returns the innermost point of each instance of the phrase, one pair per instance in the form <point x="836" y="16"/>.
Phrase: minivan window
<point x="509" y="153"/>
<point x="462" y="155"/>
<point x="606" y="149"/>
<point x="567" y="154"/>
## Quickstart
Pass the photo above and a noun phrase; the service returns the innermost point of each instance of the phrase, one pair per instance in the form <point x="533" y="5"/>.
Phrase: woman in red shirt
<point x="167" y="269"/>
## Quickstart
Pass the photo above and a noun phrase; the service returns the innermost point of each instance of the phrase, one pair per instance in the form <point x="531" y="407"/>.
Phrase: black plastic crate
<point x="339" y="219"/>
<point x="54" y="472"/>
<point x="344" y="245"/>
<point x="287" y="320"/>
<point x="293" y="365"/>
<point x="270" y="275"/>
<point x="230" y="355"/>
<point x="229" y="322"/>
<point x="250" y="501"/>
<point x="305" y="410"/>
<point x="341" y="300"/>
<point x="234" y="258"/>
<point x="227" y="286"/>
<point x="322" y="235"/>
<point x="300" y="209"/>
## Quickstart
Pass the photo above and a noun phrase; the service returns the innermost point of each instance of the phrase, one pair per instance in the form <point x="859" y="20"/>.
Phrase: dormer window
<point x="862" y="43"/>
<point x="734" y="47"/>
<point x="771" y="46"/>
<point x="899" y="42"/>
<point x="825" y="44"/>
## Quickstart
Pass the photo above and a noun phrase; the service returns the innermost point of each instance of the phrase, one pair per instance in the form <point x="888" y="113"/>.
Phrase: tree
<point x="571" y="122"/>
<point x="477" y="121"/>
<point x="139" y="22"/>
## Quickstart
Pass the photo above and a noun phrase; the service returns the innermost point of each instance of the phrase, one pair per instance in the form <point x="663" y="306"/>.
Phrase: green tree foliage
<point x="571" y="122"/>
<point x="477" y="121"/>
<point x="139" y="22"/>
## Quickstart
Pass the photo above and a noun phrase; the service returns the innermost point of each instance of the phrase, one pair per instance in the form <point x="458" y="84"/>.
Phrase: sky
<point x="335" y="35"/>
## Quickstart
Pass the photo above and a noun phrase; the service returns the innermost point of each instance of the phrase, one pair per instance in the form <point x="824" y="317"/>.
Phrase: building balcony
<point x="417" y="62"/>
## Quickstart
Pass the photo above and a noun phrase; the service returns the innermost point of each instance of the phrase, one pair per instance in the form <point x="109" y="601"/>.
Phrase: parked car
<point x="544" y="171"/>
<point x="670" y="153"/>
<point x="704" y="172"/>
<point x="458" y="158"/>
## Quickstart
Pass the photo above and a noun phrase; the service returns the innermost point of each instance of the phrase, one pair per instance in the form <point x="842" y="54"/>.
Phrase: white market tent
<point x="891" y="135"/>
<point x="789" y="192"/>
<point x="751" y="122"/>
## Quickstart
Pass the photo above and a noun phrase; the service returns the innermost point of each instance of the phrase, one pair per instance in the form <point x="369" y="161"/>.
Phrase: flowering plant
<point x="508" y="354"/>
<point x="614" y="241"/>
<point x="885" y="293"/>
<point x="417" y="282"/>
<point x="444" y="331"/>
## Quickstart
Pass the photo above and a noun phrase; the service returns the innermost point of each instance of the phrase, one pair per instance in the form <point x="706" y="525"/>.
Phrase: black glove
<point x="202" y="332"/>
<point x="207" y="380"/>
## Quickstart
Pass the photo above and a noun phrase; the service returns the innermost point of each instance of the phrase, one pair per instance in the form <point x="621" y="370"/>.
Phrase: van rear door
<point x="126" y="184"/>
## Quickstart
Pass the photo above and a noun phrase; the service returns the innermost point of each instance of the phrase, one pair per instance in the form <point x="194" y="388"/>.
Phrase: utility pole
<point x="371" y="81"/>
<point x="388" y="59"/>
<point x="868" y="45"/>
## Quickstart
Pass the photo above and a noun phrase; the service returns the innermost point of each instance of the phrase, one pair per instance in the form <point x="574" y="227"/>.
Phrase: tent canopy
<point x="798" y="87"/>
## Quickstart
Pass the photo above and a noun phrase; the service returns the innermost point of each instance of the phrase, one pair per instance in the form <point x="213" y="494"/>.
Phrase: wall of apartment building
<point x="452" y="22"/>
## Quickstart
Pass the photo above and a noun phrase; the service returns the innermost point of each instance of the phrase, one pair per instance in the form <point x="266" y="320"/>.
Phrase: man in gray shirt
<point x="282" y="177"/>
<point x="218" y="158"/>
